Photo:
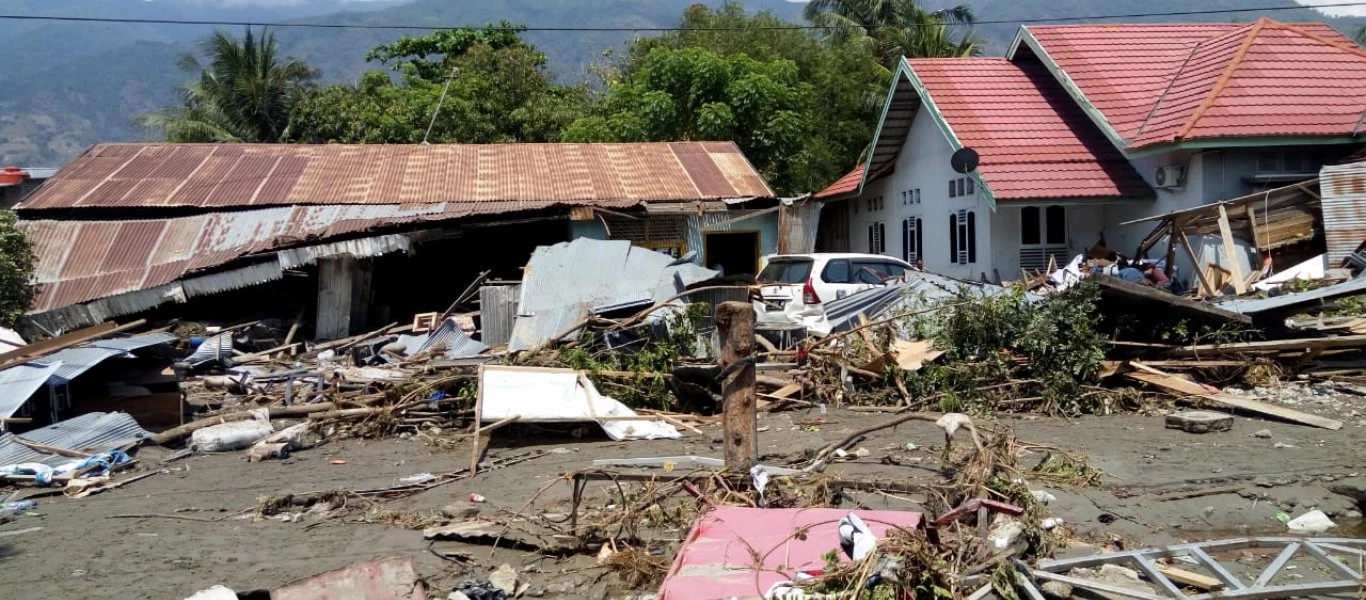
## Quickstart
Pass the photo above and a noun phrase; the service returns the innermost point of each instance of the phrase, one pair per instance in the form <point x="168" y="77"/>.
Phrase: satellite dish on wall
<point x="964" y="160"/>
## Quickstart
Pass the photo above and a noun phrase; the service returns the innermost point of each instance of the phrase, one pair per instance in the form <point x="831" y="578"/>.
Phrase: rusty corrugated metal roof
<point x="1343" y="188"/>
<point x="79" y="261"/>
<point x="236" y="175"/>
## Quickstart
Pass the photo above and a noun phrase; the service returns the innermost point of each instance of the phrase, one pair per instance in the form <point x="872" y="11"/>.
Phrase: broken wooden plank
<point x="1187" y="578"/>
<point x="1113" y="287"/>
<point x="24" y="354"/>
<point x="1230" y="251"/>
<point x="1206" y="288"/>
<point x="1325" y="343"/>
<point x="1182" y="385"/>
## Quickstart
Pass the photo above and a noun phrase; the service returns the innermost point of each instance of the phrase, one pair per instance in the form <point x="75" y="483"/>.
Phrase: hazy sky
<point x="1359" y="11"/>
<point x="1337" y="11"/>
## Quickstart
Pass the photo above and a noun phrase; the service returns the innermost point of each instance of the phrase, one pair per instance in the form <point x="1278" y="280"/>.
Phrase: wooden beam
<point x="1235" y="268"/>
<point x="1206" y="288"/>
<point x="1324" y="343"/>
<point x="24" y="354"/>
<point x="1256" y="233"/>
<point x="735" y="324"/>
<point x="1181" y="385"/>
<point x="1171" y="248"/>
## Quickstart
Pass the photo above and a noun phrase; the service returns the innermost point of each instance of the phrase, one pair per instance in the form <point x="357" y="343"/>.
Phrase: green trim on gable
<point x="1270" y="141"/>
<point x="933" y="109"/>
<point x="872" y="147"/>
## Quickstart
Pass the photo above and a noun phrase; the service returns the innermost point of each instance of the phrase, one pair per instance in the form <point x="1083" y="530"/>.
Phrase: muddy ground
<point x="1161" y="486"/>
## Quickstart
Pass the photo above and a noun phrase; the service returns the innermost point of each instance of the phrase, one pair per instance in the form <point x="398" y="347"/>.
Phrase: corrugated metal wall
<point x="497" y="312"/>
<point x="1344" y="209"/>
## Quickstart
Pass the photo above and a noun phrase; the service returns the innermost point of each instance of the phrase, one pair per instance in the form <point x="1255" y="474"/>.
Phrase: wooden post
<point x="1206" y="288"/>
<point x="735" y="323"/>
<point x="1234" y="267"/>
<point x="1171" y="247"/>
<point x="1256" y="235"/>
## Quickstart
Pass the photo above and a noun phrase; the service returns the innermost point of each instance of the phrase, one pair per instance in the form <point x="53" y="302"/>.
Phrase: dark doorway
<point x="736" y="253"/>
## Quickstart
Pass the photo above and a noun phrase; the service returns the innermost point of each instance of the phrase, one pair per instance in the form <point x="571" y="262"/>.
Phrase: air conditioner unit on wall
<point x="1170" y="176"/>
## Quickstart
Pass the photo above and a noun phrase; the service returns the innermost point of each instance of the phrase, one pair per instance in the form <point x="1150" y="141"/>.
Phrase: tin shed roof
<point x="260" y="175"/>
<point x="76" y="264"/>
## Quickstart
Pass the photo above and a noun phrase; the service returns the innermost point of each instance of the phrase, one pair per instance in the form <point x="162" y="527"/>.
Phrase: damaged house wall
<point x="179" y="231"/>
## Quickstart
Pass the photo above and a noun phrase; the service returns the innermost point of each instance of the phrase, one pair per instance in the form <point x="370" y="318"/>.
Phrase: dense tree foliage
<point x="802" y="109"/>
<point x="898" y="28"/>
<point x="801" y="104"/>
<point x="16" y="270"/>
<point x="245" y="93"/>
<point x="496" y="88"/>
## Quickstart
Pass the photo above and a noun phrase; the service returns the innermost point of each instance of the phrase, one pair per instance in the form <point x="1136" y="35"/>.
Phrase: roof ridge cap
<point x="1171" y="83"/>
<point x="1229" y="70"/>
<point x="1297" y="29"/>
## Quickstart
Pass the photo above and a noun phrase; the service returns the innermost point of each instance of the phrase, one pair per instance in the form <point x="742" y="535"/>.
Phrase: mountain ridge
<point x="56" y="99"/>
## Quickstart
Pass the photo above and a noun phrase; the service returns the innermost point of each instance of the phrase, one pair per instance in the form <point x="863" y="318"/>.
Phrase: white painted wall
<point x="1084" y="225"/>
<point x="924" y="164"/>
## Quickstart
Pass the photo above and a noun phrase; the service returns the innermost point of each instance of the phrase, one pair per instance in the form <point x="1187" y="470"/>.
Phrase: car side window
<point x="837" y="271"/>
<point x="894" y="269"/>
<point x="870" y="272"/>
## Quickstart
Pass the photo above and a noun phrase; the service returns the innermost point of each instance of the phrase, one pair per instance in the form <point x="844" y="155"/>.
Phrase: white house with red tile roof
<point x="1081" y="128"/>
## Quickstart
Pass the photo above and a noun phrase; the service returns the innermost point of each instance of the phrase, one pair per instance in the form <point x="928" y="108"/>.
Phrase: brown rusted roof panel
<point x="232" y="175"/>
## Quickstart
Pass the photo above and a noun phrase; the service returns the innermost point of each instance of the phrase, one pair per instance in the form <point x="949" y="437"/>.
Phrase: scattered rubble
<point x="673" y="357"/>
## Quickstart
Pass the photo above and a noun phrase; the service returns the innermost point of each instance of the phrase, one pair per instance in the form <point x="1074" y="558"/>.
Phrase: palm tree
<point x="898" y="27"/>
<point x="245" y="93"/>
<point x="1361" y="35"/>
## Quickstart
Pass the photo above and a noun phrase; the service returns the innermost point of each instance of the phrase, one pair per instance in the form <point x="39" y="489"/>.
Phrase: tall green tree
<point x="453" y="86"/>
<point x="1361" y="35"/>
<point x="897" y="28"/>
<point x="16" y="270"/>
<point x="801" y="108"/>
<point x="245" y="92"/>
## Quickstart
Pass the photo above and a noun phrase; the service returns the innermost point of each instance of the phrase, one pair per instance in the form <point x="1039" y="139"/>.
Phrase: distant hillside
<point x="68" y="85"/>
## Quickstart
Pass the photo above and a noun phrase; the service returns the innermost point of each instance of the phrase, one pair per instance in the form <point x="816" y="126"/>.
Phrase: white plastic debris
<point x="1051" y="523"/>
<point x="1043" y="497"/>
<point x="232" y="436"/>
<point x="855" y="538"/>
<point x="951" y="422"/>
<point x="759" y="474"/>
<point x="1004" y="533"/>
<point x="216" y="592"/>
<point x="1314" y="521"/>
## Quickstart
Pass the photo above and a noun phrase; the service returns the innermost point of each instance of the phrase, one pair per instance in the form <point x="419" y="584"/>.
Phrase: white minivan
<point x="795" y="285"/>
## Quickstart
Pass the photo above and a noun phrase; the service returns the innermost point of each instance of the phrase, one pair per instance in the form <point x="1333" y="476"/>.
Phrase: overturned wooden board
<point x="912" y="355"/>
<point x="1185" y="386"/>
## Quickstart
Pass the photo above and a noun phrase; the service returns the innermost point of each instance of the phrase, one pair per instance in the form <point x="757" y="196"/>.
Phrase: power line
<point x="304" y="25"/>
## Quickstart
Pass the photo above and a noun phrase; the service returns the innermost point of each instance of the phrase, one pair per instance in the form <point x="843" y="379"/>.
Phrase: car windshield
<point x="789" y="271"/>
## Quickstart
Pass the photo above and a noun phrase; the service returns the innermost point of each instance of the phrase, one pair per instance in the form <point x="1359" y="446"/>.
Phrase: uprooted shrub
<point x="1049" y="347"/>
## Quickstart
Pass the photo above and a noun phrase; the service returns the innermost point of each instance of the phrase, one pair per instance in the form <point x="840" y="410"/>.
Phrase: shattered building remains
<point x="354" y="235"/>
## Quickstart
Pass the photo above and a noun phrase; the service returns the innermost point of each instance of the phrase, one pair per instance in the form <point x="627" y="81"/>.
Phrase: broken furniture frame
<point x="1145" y="560"/>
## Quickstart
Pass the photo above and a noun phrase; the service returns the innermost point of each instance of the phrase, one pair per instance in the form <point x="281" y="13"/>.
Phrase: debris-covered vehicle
<point x="792" y="285"/>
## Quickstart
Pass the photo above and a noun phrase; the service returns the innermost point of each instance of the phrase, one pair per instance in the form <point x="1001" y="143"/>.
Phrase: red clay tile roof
<point x="1168" y="82"/>
<point x="1034" y="141"/>
<point x="844" y="185"/>
<point x="223" y="175"/>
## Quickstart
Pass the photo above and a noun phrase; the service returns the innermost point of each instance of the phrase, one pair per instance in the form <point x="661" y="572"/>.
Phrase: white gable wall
<point x="923" y="165"/>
